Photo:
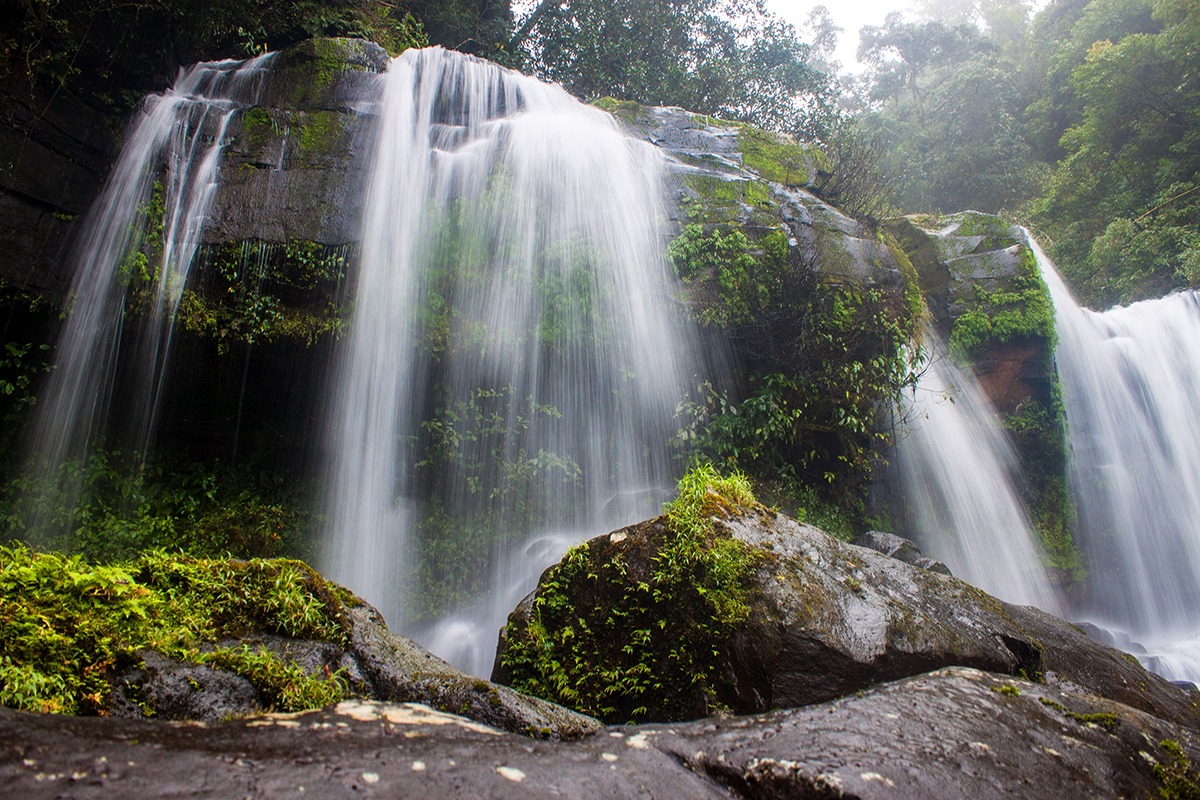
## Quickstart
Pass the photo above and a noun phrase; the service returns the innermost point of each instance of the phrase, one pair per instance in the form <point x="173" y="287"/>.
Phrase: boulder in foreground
<point x="955" y="733"/>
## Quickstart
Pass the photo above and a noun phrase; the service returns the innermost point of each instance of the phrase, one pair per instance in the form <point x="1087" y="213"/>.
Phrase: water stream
<point x="1131" y="386"/>
<point x="159" y="189"/>
<point x="957" y="470"/>
<point x="515" y="355"/>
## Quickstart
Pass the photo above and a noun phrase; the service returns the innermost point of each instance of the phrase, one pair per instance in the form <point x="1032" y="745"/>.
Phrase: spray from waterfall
<point x="1131" y="387"/>
<point x="515" y="354"/>
<point x="957" y="470"/>
<point x="143" y="229"/>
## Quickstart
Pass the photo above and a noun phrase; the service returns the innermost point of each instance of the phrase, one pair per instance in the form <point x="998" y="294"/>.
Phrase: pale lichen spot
<point x="371" y="778"/>
<point x="638" y="742"/>
<point x="876" y="777"/>
<point x="418" y="766"/>
<point x="511" y="773"/>
<point x="618" y="537"/>
<point x="609" y="757"/>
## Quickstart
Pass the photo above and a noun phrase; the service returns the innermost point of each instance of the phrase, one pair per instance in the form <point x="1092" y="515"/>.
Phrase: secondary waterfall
<point x="957" y="469"/>
<point x="515" y="356"/>
<point x="1131" y="386"/>
<point x="157" y="196"/>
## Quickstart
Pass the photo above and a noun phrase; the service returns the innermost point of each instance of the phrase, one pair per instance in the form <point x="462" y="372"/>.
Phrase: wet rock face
<point x="57" y="151"/>
<point x="296" y="163"/>
<point x="956" y="733"/>
<point x="829" y="619"/>
<point x="734" y="176"/>
<point x="375" y="664"/>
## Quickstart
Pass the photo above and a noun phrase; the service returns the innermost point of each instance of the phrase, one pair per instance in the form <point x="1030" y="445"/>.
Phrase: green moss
<point x="630" y="640"/>
<point x="257" y="128"/>
<point x="1007" y="689"/>
<point x="1106" y="720"/>
<point x="1178" y="779"/>
<point x="320" y="132"/>
<point x="773" y="157"/>
<point x="628" y="111"/>
<point x="1024" y="310"/>
<point x="65" y="624"/>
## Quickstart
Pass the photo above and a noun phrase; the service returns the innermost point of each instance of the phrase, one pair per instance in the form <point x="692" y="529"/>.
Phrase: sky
<point x="849" y="15"/>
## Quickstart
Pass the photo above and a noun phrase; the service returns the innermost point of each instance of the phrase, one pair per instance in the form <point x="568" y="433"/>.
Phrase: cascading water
<point x="1131" y="387"/>
<point x="956" y="467"/>
<point x="168" y="166"/>
<point x="514" y="359"/>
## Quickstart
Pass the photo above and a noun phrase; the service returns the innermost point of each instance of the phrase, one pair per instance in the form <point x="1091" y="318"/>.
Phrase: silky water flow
<point x="515" y="355"/>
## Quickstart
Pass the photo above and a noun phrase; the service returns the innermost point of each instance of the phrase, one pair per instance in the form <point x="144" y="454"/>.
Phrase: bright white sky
<point x="849" y="15"/>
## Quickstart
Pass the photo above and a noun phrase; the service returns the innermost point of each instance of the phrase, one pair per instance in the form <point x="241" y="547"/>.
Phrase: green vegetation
<point x="1081" y="121"/>
<point x="633" y="629"/>
<point x="257" y="292"/>
<point x="67" y="625"/>
<point x="126" y="505"/>
<point x="111" y="52"/>
<point x="1178" y="779"/>
<point x="821" y="356"/>
<point x="1022" y="309"/>
<point x="722" y="57"/>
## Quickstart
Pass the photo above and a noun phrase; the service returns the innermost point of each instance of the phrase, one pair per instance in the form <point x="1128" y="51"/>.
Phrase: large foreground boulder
<point x="171" y="637"/>
<point x="824" y="619"/>
<point x="957" y="733"/>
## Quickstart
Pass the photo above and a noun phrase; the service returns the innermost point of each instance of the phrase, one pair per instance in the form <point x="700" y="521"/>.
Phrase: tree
<point x="729" y="58"/>
<point x="1123" y="206"/>
<point x="948" y="102"/>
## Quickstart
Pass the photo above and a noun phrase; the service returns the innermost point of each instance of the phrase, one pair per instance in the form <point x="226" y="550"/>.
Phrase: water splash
<point x="957" y="469"/>
<point x="515" y="354"/>
<point x="1131" y="387"/>
<point x="175" y="141"/>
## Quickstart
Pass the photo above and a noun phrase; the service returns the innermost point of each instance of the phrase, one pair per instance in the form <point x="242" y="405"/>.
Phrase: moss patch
<point x="1022" y="310"/>
<point x="632" y="627"/>
<point x="776" y="158"/>
<point x="66" y="625"/>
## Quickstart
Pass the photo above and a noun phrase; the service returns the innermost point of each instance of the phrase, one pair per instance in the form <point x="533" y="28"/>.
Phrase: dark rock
<point x="828" y="619"/>
<point x="296" y="164"/>
<point x="57" y="150"/>
<point x="899" y="548"/>
<point x="375" y="664"/>
<point x="956" y="733"/>
<point x="166" y="688"/>
<point x="933" y="565"/>
<point x="400" y="670"/>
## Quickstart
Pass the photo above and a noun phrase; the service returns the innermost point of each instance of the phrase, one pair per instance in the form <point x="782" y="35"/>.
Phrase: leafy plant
<point x="66" y="624"/>
<point x="638" y="632"/>
<point x="129" y="504"/>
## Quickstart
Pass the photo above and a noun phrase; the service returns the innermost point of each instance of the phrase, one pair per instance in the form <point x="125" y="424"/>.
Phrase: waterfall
<point x="142" y="230"/>
<point x="956" y="468"/>
<point x="1131" y="386"/>
<point x="515" y="354"/>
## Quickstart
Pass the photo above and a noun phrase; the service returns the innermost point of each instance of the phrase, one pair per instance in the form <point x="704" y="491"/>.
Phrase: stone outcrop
<point x="734" y="175"/>
<point x="899" y="548"/>
<point x="956" y="733"/>
<point x="987" y="299"/>
<point x="374" y="664"/>
<point x="295" y="166"/>
<point x="828" y="619"/>
<point x="57" y="150"/>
